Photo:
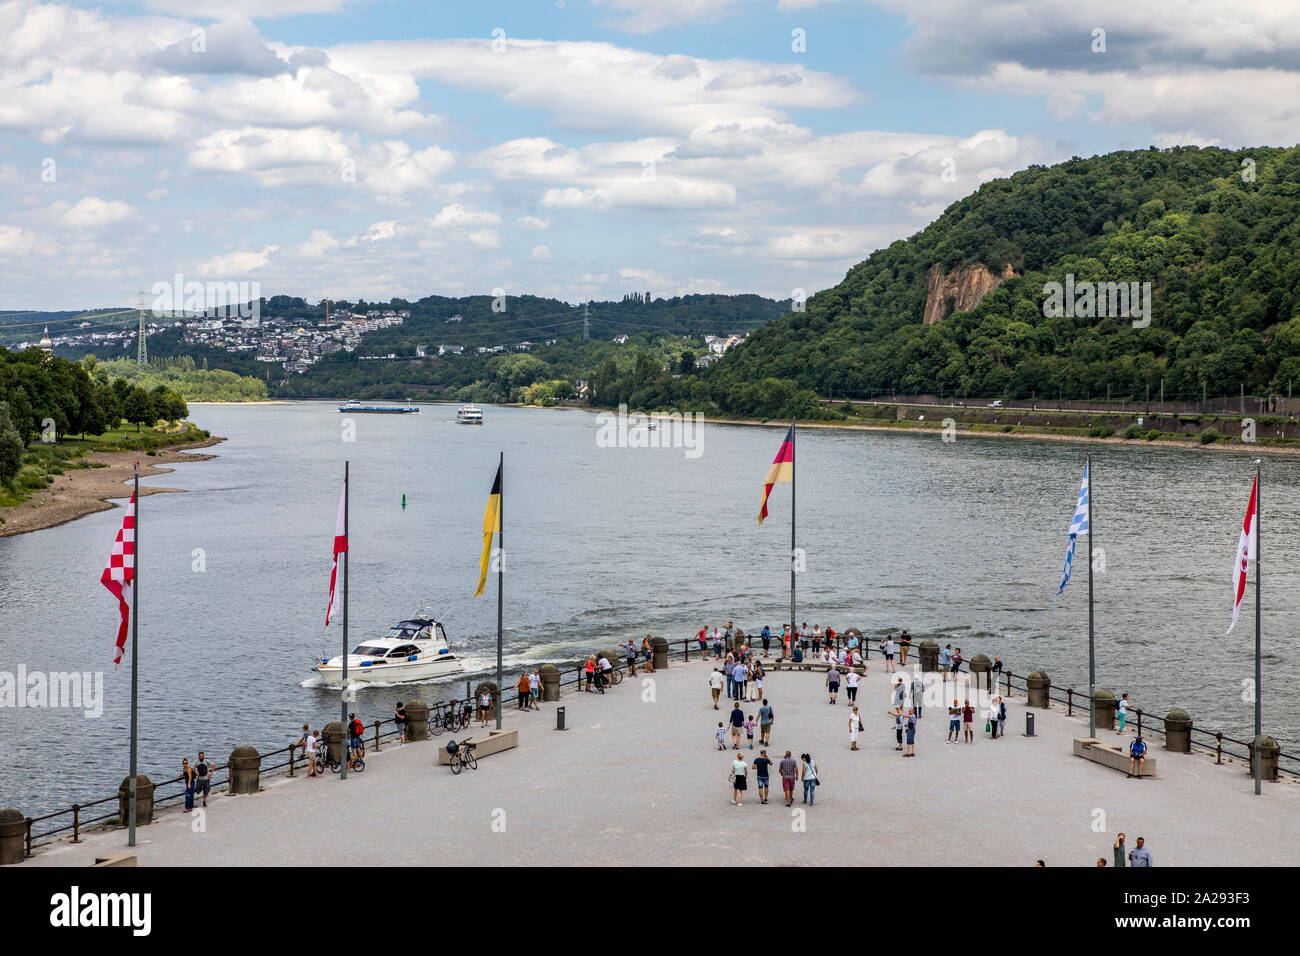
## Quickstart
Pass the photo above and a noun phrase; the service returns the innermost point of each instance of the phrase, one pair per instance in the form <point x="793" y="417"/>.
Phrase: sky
<point x="572" y="148"/>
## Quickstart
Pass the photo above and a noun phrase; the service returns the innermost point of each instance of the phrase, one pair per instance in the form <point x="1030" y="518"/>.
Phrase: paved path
<point x="637" y="779"/>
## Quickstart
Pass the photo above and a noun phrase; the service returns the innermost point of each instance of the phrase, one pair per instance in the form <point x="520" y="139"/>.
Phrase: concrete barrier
<point x="660" y="645"/>
<point x="550" y="675"/>
<point x="1269" y="750"/>
<point x="928" y="649"/>
<point x="495" y="742"/>
<point x="1111" y="755"/>
<point x="13" y="836"/>
<point x="143" y="801"/>
<point x="1105" y="703"/>
<point x="245" y="766"/>
<point x="1038" y="690"/>
<point x="1178" y="731"/>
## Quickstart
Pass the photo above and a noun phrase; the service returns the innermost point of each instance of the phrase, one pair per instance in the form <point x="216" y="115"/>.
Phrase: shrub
<point x="1101" y="431"/>
<point x="1209" y="436"/>
<point x="1008" y="428"/>
<point x="1133" y="431"/>
<point x="1153" y="434"/>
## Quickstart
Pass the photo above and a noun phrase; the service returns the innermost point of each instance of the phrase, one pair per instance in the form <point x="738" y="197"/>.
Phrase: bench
<point x="495" y="742"/>
<point x="1111" y="755"/>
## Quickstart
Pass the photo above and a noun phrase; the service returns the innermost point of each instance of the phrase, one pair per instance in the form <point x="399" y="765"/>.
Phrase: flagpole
<point x="1259" y="712"/>
<point x="501" y="569"/>
<point x="1092" y="656"/>
<point x="135" y="650"/>
<point x="343" y="682"/>
<point x="793" y="624"/>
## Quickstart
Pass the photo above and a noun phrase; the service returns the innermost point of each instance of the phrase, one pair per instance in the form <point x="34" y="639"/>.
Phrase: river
<point x="962" y="541"/>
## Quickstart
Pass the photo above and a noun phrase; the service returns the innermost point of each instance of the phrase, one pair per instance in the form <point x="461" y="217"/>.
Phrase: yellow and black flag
<point x="491" y="525"/>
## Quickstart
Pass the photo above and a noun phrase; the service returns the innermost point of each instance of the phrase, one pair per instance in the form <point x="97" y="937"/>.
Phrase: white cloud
<point x="533" y="223"/>
<point x="457" y="216"/>
<point x="541" y="253"/>
<point x="17" y="242"/>
<point x="92" y="212"/>
<point x="231" y="264"/>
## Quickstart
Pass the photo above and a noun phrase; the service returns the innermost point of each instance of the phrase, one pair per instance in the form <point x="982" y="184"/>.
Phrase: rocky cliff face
<point x="965" y="285"/>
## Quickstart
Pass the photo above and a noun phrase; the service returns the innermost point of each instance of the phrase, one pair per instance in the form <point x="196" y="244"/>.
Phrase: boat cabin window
<point x="404" y="651"/>
<point x="366" y="650"/>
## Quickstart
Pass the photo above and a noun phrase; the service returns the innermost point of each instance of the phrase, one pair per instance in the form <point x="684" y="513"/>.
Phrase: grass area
<point x="44" y="460"/>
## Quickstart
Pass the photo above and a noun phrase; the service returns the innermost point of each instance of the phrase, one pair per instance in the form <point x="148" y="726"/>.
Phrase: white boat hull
<point x="397" y="672"/>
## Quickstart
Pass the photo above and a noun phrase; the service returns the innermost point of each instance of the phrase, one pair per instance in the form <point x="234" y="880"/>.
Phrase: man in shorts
<point x="737" y="725"/>
<point x="889" y="654"/>
<point x="1137" y="753"/>
<point x="203" y="783"/>
<point x="762" y="765"/>
<point x="702" y="635"/>
<point x="968" y="722"/>
<point x="715" y="684"/>
<point x="765" y="723"/>
<point x="954" y="722"/>
<point x="789" y="769"/>
<point x="833" y="683"/>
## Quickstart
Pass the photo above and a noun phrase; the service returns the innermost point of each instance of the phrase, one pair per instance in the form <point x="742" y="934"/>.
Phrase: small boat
<point x="412" y="650"/>
<point x="356" y="406"/>
<point x="469" y="415"/>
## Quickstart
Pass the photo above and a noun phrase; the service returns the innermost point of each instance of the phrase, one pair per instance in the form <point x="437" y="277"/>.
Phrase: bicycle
<point x="455" y="719"/>
<point x="462" y="755"/>
<point x="355" y="764"/>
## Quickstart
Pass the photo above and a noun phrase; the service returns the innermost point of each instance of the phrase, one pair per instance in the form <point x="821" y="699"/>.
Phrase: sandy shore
<point x="83" y="491"/>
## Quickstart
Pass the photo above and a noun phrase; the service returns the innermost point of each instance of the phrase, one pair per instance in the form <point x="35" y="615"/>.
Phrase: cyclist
<point x="355" y="730"/>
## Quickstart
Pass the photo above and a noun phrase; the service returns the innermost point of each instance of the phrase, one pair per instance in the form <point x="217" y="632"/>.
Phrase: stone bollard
<point x="332" y="734"/>
<point x="740" y="637"/>
<point x="980" y="664"/>
<point x="660" y="645"/>
<point x="550" y="675"/>
<point x="417" y="720"/>
<point x="928" y="649"/>
<point x="1039" y="690"/>
<point x="1178" y="731"/>
<point x="13" y="836"/>
<point x="143" y="801"/>
<point x="1269" y="750"/>
<point x="245" y="766"/>
<point x="1105" y="704"/>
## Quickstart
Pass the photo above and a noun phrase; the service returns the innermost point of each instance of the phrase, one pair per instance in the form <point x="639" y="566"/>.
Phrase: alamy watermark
<point x="1096" y="300"/>
<point x="70" y="690"/>
<point x="669" y="430"/>
<point x="227" y="299"/>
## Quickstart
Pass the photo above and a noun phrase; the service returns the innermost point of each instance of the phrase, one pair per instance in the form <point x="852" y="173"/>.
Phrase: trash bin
<point x="559" y="718"/>
<point x="1029" y="723"/>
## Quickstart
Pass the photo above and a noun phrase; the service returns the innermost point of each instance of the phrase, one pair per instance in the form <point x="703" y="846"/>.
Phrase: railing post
<point x="76" y="823"/>
<point x="29" y="836"/>
<point x="1138" y="710"/>
<point x="377" y="723"/>
<point x="291" y="747"/>
<point x="1218" y="755"/>
<point x="1008" y="683"/>
<point x="686" y="650"/>
<point x="1069" y="702"/>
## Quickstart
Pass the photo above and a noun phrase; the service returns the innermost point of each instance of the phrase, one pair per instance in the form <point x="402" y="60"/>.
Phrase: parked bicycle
<point x="462" y="755"/>
<point x="455" y="718"/>
<point x="355" y="764"/>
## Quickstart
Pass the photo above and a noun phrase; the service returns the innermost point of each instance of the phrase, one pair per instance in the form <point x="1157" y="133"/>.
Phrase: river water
<point x="961" y="541"/>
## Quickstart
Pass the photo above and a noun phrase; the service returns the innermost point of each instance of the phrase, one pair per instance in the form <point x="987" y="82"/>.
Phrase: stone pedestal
<point x="1104" y="701"/>
<point x="245" y="767"/>
<point x="332" y="735"/>
<point x="1268" y="749"/>
<point x="550" y="675"/>
<point x="417" y="720"/>
<point x="143" y="801"/>
<point x="1039" y="692"/>
<point x="13" y="836"/>
<point x="928" y="650"/>
<point x="660" y="646"/>
<point x="980" y="668"/>
<point x="1178" y="731"/>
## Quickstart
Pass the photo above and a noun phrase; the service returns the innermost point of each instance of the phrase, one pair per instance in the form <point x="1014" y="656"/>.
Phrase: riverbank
<point x="86" y="490"/>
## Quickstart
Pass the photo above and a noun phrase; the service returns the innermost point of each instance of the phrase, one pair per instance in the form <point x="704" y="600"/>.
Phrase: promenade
<point x="637" y="779"/>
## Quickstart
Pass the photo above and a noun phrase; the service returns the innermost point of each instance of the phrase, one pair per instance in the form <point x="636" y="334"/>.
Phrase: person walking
<point x="888" y="648"/>
<point x="789" y="770"/>
<point x="1140" y="856"/>
<point x="1002" y="717"/>
<point x="399" y="721"/>
<point x="762" y="767"/>
<point x="702" y="636"/>
<point x="766" y="635"/>
<point x="1122" y="708"/>
<point x="203" y="778"/>
<point x="720" y="735"/>
<point x="808" y="773"/>
<point x="851" y="685"/>
<point x="1119" y="851"/>
<point x="833" y="683"/>
<point x="522" y="690"/>
<point x="757" y="673"/>
<point x="739" y="773"/>
<point x="717" y="643"/>
<point x="765" y="717"/>
<point x="904" y="645"/>
<point x="739" y="677"/>
<point x="715" y="685"/>
<point x="911" y="734"/>
<point x="968" y="722"/>
<point x="918" y="692"/>
<point x="535" y="689"/>
<point x="737" y="724"/>
<point x="991" y="722"/>
<point x="954" y="722"/>
<point x="749" y="731"/>
<point x="855" y="724"/>
<point x="189" y="775"/>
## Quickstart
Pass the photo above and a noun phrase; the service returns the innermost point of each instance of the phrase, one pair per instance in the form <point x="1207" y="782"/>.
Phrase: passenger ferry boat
<point x="357" y="406"/>
<point x="412" y="650"/>
<point x="469" y="415"/>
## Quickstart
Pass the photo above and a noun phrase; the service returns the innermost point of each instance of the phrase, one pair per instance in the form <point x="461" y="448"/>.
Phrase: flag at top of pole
<point x="1244" y="554"/>
<point x="1078" y="526"/>
<point x="340" y="545"/>
<point x="120" y="574"/>
<point x="782" y="470"/>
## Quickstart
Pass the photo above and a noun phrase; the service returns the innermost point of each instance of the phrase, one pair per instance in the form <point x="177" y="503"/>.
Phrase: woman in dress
<point x="738" y="780"/>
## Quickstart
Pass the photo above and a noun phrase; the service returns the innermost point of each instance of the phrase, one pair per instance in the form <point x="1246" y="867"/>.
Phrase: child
<point x="749" y="730"/>
<point x="721" y="736"/>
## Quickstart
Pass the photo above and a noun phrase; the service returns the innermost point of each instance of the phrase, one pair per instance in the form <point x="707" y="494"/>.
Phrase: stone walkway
<point x="637" y="779"/>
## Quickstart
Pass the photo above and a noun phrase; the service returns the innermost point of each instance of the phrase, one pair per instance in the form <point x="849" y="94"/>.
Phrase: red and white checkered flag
<point x="340" y="545"/>
<point x="120" y="573"/>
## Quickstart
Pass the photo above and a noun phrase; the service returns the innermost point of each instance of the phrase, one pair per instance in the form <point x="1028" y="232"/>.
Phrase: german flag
<point x="491" y="525"/>
<point x="782" y="470"/>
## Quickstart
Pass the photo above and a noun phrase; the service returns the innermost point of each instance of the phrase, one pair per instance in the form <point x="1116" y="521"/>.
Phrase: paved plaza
<point x="637" y="779"/>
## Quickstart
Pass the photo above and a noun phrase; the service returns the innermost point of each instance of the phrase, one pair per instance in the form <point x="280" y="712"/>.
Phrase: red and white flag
<point x="340" y="545"/>
<point x="1244" y="553"/>
<point x="120" y="574"/>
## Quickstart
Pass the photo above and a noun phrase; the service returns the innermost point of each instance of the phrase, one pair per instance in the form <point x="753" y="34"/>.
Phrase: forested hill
<point x="1214" y="231"/>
